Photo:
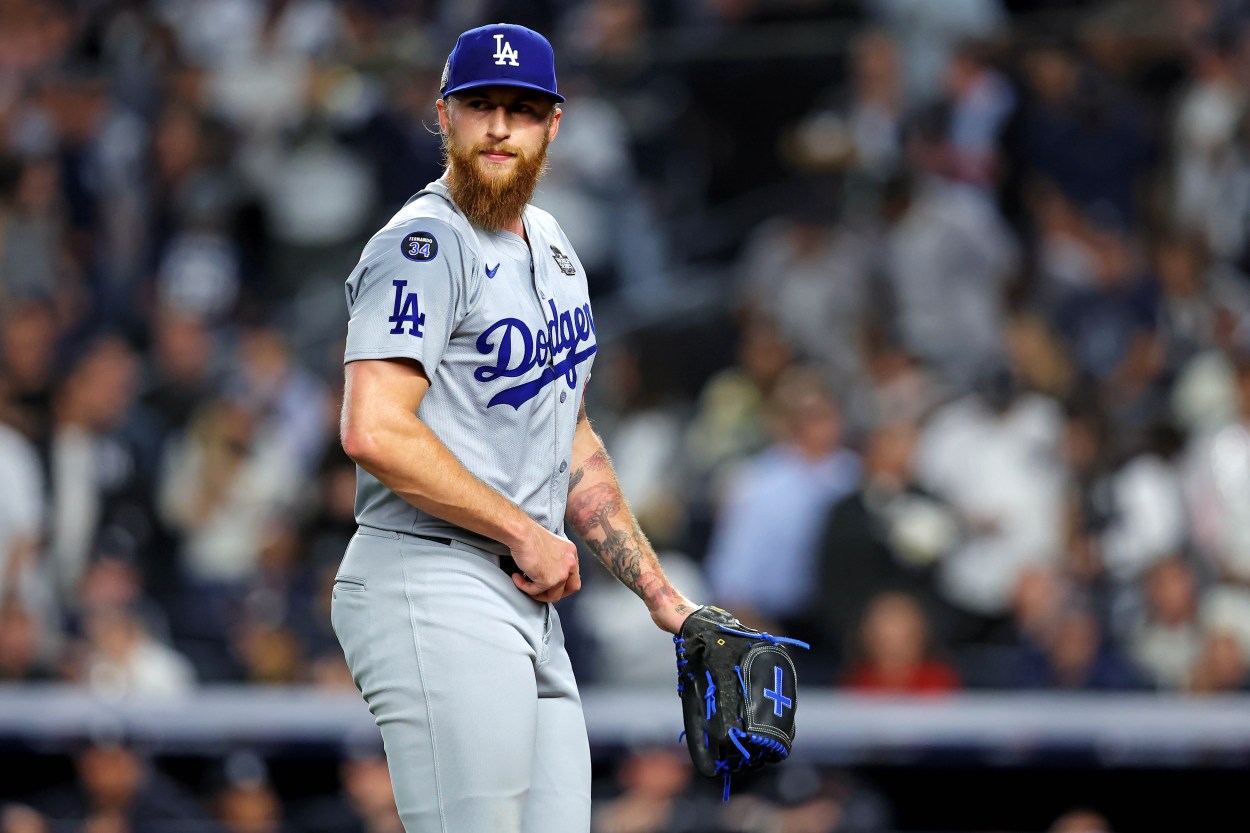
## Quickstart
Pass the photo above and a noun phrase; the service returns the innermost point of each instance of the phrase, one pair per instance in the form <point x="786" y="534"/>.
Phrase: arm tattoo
<point x="596" y="462"/>
<point x="621" y="554"/>
<point x="625" y="552"/>
<point x="619" y="550"/>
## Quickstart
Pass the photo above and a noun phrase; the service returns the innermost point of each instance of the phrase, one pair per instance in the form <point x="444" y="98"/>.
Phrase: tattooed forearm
<point x="592" y="513"/>
<point x="621" y="556"/>
<point x="587" y="506"/>
<point x="595" y="462"/>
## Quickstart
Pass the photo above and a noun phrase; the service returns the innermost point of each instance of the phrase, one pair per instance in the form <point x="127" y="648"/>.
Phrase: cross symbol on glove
<point x="780" y="701"/>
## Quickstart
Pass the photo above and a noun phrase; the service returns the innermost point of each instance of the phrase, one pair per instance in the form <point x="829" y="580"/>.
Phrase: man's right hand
<point x="550" y="566"/>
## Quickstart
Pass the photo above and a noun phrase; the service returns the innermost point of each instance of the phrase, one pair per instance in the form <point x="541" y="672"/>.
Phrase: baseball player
<point x="469" y="344"/>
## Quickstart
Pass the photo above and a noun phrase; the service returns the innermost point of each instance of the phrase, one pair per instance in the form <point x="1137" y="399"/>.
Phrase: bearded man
<point x="469" y="344"/>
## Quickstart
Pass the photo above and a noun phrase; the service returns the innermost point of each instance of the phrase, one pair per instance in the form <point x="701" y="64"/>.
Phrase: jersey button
<point x="563" y="466"/>
<point x="564" y="395"/>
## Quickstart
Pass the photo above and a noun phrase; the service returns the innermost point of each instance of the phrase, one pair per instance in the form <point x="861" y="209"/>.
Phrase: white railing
<point x="1151" y="728"/>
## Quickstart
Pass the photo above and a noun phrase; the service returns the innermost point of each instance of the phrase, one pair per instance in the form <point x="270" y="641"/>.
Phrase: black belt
<point x="506" y="562"/>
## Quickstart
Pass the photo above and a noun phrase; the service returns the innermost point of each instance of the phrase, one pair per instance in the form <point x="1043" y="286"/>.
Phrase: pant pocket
<point x="353" y="624"/>
<point x="351" y="584"/>
<point x="549" y="622"/>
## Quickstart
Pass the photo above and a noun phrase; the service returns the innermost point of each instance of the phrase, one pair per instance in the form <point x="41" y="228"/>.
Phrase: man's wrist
<point x="669" y="609"/>
<point x="516" y="529"/>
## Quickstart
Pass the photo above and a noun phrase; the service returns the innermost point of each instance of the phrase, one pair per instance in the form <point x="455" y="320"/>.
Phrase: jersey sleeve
<point x="408" y="293"/>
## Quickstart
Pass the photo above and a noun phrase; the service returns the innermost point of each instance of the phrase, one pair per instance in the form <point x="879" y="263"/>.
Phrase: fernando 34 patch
<point x="419" y="246"/>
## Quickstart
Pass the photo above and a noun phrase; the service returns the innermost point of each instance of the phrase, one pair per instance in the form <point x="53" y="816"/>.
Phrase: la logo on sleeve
<point x="406" y="311"/>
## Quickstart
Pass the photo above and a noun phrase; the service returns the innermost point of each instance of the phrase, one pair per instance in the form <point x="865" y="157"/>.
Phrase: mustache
<point x="484" y="148"/>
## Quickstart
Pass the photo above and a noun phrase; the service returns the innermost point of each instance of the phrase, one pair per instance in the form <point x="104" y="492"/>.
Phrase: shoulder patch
<point x="420" y="246"/>
<point x="563" y="261"/>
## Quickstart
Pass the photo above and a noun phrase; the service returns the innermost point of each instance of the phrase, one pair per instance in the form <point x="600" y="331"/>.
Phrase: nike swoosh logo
<point x="490" y="273"/>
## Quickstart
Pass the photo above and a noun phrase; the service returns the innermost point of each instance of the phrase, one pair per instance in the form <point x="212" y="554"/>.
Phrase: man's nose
<point x="498" y="125"/>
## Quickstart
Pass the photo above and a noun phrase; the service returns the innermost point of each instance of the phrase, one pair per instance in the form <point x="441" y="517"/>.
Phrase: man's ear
<point x="554" y="127"/>
<point x="442" y="105"/>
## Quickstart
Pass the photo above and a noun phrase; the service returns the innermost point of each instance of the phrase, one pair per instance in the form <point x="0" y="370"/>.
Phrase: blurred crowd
<point x="984" y="264"/>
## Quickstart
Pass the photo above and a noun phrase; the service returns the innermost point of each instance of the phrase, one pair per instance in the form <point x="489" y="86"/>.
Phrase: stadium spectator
<point x="1221" y="665"/>
<point x="1075" y="654"/>
<point x="1205" y="142"/>
<point x="993" y="456"/>
<point x="181" y="371"/>
<point x="285" y="400"/>
<point x="981" y="100"/>
<point x="655" y="796"/>
<point x="1167" y="642"/>
<point x="896" y="386"/>
<point x="249" y="807"/>
<point x="1148" y="519"/>
<point x="118" y="789"/>
<point x="810" y="274"/>
<point x="222" y="486"/>
<point x="102" y="464"/>
<point x="858" y="127"/>
<point x="1109" y="326"/>
<point x="1081" y="133"/>
<point x="1217" y="486"/>
<point x="31" y="248"/>
<point x="949" y="260"/>
<point x="889" y="534"/>
<point x="729" y="422"/>
<point x="122" y="658"/>
<point x="762" y="558"/>
<point x="896" y="654"/>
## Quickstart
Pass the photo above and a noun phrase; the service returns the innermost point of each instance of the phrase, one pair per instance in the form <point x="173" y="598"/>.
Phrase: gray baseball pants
<point x="470" y="683"/>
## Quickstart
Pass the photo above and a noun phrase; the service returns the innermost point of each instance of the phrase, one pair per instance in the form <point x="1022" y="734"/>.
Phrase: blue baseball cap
<point x="504" y="55"/>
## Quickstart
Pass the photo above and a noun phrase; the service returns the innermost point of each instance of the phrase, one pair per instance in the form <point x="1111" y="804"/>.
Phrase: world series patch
<point x="562" y="260"/>
<point x="420" y="246"/>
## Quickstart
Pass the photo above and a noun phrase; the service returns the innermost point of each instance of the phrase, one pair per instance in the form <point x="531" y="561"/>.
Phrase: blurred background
<point x="925" y="336"/>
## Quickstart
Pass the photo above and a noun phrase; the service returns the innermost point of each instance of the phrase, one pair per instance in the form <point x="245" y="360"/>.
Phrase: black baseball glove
<point x="738" y="693"/>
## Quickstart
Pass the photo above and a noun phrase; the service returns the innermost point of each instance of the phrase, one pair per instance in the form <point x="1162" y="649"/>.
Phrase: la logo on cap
<point x="504" y="53"/>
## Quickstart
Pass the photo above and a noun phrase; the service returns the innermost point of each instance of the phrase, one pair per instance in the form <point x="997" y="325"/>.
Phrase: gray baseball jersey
<point x="504" y="332"/>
